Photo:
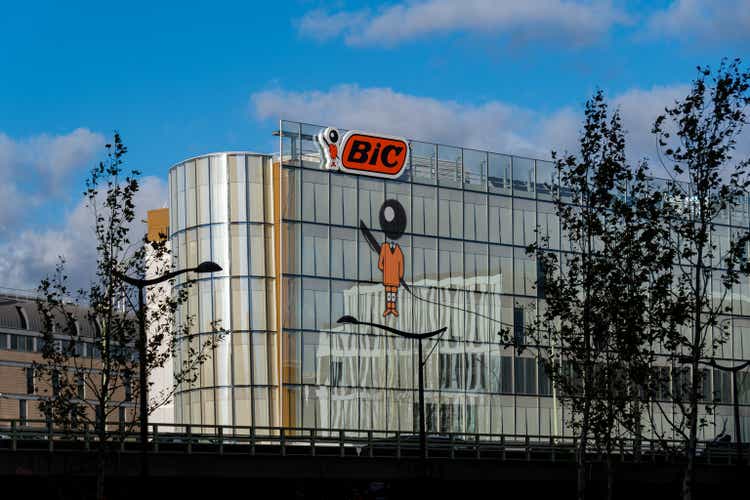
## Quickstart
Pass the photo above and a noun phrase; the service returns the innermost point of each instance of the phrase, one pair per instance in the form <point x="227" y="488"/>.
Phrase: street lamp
<point x="351" y="320"/>
<point x="203" y="267"/>
<point x="735" y="395"/>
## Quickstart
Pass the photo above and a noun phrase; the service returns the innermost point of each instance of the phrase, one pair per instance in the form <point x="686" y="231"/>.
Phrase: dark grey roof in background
<point x="14" y="308"/>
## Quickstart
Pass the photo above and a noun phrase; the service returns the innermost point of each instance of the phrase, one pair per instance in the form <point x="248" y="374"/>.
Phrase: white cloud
<point x="36" y="170"/>
<point x="383" y="110"/>
<point x="575" y="22"/>
<point x="702" y="20"/>
<point x="492" y="125"/>
<point x="46" y="160"/>
<point x="33" y="254"/>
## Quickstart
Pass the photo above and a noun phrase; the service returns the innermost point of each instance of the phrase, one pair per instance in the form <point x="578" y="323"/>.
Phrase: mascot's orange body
<point x="391" y="262"/>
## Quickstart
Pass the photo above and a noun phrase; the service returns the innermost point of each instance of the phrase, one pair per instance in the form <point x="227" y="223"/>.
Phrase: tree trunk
<point x="687" y="483"/>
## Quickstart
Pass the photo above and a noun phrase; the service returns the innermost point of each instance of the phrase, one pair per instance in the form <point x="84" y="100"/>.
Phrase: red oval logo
<point x="374" y="155"/>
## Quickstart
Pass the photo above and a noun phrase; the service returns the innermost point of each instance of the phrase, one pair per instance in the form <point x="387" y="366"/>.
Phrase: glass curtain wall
<point x="470" y="216"/>
<point x="462" y="248"/>
<point x="222" y="210"/>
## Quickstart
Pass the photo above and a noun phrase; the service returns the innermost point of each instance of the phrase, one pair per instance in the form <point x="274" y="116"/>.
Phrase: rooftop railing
<point x="31" y="435"/>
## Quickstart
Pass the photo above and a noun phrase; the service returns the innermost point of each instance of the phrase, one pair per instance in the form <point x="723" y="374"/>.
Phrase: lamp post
<point x="203" y="267"/>
<point x="735" y="395"/>
<point x="351" y="320"/>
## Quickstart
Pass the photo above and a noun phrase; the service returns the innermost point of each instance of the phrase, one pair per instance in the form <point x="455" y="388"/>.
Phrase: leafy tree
<point x="697" y="138"/>
<point x="99" y="393"/>
<point x="595" y="330"/>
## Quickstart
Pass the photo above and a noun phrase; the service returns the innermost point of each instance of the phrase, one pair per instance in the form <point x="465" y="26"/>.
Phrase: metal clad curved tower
<point x="222" y="209"/>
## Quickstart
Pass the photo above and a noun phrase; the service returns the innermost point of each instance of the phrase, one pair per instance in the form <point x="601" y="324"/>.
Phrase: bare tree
<point x="92" y="381"/>
<point x="697" y="139"/>
<point x="594" y="334"/>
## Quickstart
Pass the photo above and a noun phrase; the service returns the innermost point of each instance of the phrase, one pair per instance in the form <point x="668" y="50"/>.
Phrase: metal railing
<point x="28" y="435"/>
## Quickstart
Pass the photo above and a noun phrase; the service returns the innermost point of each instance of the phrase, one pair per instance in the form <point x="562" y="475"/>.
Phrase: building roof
<point x="19" y="311"/>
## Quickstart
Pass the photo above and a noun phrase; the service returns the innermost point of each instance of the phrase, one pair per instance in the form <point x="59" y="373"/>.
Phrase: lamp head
<point x="208" y="267"/>
<point x="348" y="320"/>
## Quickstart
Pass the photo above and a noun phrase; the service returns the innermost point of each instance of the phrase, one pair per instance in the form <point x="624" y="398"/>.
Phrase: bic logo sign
<point x="362" y="153"/>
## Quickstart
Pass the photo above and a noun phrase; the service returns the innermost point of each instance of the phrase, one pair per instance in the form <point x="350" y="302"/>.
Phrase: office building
<point x="287" y="233"/>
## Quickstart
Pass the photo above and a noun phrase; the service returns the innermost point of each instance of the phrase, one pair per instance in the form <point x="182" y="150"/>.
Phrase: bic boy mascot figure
<point x="328" y="141"/>
<point x="390" y="257"/>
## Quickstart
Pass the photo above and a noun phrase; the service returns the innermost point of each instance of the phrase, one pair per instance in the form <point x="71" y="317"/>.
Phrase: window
<point x="55" y="383"/>
<point x="546" y="179"/>
<point x="545" y="386"/>
<point x="451" y="262"/>
<point x="450" y="213"/>
<point x="258" y="184"/>
<point x="291" y="194"/>
<point x="523" y="177"/>
<point x="501" y="269"/>
<point x="315" y="304"/>
<point x="237" y="202"/>
<point x="337" y="370"/>
<point x="525" y="273"/>
<point x="475" y="169"/>
<point x="430" y="416"/>
<point x="518" y="326"/>
<point x="371" y="197"/>
<point x="190" y="181"/>
<point x="476" y="265"/>
<point x="475" y="371"/>
<point x="22" y="343"/>
<point x="450" y="166"/>
<point x="743" y="387"/>
<point x="722" y="386"/>
<point x="524" y="222"/>
<point x="344" y="200"/>
<point x="475" y="216"/>
<point x="424" y="259"/>
<point x="315" y="196"/>
<point x="450" y="418"/>
<point x="81" y="387"/>
<point x="343" y="253"/>
<point x="549" y="225"/>
<point x="22" y="411"/>
<point x="424" y="210"/>
<point x="681" y="383"/>
<point x="315" y="352"/>
<point x="501" y="374"/>
<point x="662" y="383"/>
<point x="706" y="383"/>
<point x="219" y="188"/>
<point x="450" y="370"/>
<point x="238" y="240"/>
<point x="203" y="206"/>
<point x="525" y="376"/>
<point x="128" y="383"/>
<point x="423" y="162"/>
<point x="79" y="348"/>
<point x="30" y="388"/>
<point x="498" y="174"/>
<point x="500" y="220"/>
<point x="315" y="254"/>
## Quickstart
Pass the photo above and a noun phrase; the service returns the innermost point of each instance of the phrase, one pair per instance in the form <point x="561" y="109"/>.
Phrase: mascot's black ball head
<point x="392" y="219"/>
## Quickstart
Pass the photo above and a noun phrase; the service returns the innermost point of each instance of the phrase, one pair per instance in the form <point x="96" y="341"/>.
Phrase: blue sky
<point x="184" y="78"/>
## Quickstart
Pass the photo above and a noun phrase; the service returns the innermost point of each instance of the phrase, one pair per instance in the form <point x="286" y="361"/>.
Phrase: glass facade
<point x="222" y="210"/>
<point x="287" y="234"/>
